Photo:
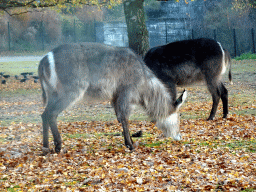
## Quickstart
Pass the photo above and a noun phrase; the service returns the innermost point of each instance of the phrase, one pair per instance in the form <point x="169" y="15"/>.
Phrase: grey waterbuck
<point x="96" y="71"/>
<point x="187" y="62"/>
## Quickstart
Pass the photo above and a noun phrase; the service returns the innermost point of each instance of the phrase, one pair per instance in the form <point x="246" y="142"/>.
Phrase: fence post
<point x="192" y="33"/>
<point x="42" y="34"/>
<point x="9" y="37"/>
<point x="75" y="30"/>
<point x="123" y="34"/>
<point x="253" y="42"/>
<point x="214" y="34"/>
<point x="166" y="38"/>
<point x="95" y="32"/>
<point x="234" y="36"/>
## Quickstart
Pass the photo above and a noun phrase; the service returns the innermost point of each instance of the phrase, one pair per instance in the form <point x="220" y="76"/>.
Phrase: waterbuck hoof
<point x="45" y="151"/>
<point x="57" y="147"/>
<point x="137" y="134"/>
<point x="210" y="118"/>
<point x="225" y="116"/>
<point x="131" y="147"/>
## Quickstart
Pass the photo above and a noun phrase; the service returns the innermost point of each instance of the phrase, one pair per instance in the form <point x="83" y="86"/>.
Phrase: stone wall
<point x="173" y="24"/>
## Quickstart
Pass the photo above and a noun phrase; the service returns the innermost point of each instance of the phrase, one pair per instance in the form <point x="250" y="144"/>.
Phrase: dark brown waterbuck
<point x="188" y="62"/>
<point x="96" y="71"/>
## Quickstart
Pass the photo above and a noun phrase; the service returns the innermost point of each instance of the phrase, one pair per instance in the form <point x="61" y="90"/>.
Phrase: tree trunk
<point x="136" y="26"/>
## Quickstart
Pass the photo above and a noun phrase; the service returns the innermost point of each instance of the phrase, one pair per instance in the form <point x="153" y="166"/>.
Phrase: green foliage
<point x="152" y="4"/>
<point x="116" y="13"/>
<point x="227" y="14"/>
<point x="248" y="190"/>
<point x="245" y="56"/>
<point x="67" y="27"/>
<point x="247" y="145"/>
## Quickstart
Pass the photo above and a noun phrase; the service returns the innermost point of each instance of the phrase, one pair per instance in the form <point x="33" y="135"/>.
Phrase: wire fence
<point x="42" y="37"/>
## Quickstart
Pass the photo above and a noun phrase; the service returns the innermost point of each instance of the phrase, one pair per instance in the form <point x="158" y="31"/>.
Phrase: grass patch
<point x="31" y="118"/>
<point x="235" y="145"/>
<point x="14" y="188"/>
<point x="195" y="114"/>
<point x="21" y="92"/>
<point x="248" y="145"/>
<point x="156" y="144"/>
<point x="249" y="190"/>
<point x="239" y="67"/>
<point x="16" y="67"/>
<point x="22" y="53"/>
<point x="77" y="135"/>
<point x="96" y="114"/>
<point x="245" y="56"/>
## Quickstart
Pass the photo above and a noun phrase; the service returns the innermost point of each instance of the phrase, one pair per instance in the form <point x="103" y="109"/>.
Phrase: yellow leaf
<point x="160" y="167"/>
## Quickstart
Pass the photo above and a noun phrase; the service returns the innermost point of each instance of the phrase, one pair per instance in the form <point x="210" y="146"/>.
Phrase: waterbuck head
<point x="170" y="126"/>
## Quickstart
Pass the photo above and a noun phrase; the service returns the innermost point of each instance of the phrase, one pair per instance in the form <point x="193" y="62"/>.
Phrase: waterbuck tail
<point x="44" y="96"/>
<point x="228" y="61"/>
<point x="47" y="75"/>
<point x="42" y="81"/>
<point x="230" y="76"/>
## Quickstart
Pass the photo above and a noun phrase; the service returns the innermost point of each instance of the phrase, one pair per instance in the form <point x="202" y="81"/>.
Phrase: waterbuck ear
<point x="181" y="99"/>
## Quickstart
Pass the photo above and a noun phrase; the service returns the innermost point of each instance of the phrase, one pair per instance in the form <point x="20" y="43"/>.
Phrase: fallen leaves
<point x="213" y="155"/>
<point x="218" y="155"/>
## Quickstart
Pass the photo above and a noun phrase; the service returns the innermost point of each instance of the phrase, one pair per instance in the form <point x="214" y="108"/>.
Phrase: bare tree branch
<point x="8" y="5"/>
<point x="22" y="12"/>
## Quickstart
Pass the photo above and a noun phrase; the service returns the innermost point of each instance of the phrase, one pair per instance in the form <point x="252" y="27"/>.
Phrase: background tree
<point x="136" y="26"/>
<point x="230" y="14"/>
<point x="134" y="14"/>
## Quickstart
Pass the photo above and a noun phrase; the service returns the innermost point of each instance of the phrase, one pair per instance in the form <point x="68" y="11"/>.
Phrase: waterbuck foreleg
<point x="216" y="93"/>
<point x="127" y="138"/>
<point x="172" y="90"/>
<point x="224" y="98"/>
<point x="121" y="104"/>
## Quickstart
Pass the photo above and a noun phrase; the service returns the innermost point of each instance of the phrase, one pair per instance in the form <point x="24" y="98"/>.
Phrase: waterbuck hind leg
<point x="122" y="109"/>
<point x="54" y="107"/>
<point x="224" y="98"/>
<point x="45" y="132"/>
<point x="50" y="120"/>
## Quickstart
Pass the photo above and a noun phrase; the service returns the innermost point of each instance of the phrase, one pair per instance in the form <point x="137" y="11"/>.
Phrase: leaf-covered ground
<point x="218" y="155"/>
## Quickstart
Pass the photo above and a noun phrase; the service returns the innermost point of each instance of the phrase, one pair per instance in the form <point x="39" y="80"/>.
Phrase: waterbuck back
<point x="187" y="62"/>
<point x="100" y="72"/>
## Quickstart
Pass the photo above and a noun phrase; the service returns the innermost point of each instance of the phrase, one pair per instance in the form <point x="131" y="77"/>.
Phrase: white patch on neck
<point x="173" y="118"/>
<point x="223" y="60"/>
<point x="53" y="75"/>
